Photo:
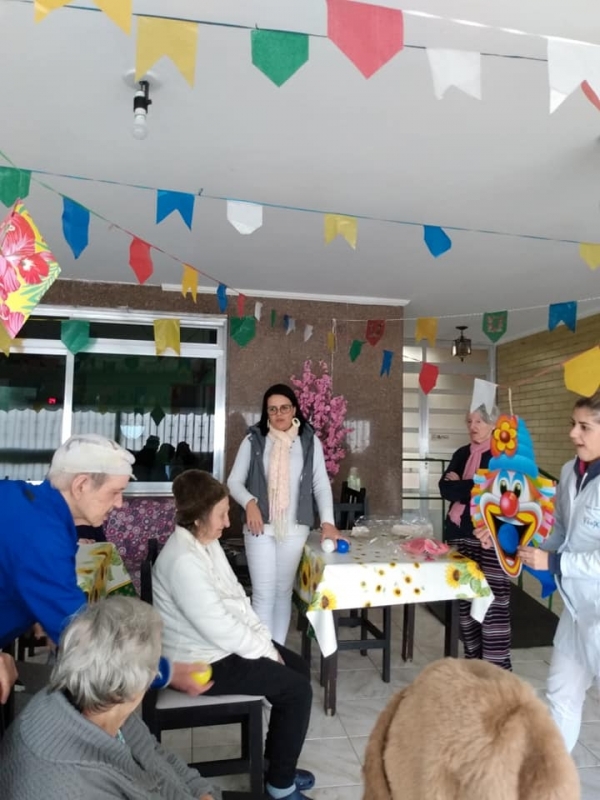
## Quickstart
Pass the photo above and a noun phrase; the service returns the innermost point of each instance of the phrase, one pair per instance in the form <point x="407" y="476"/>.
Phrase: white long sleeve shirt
<point x="206" y="613"/>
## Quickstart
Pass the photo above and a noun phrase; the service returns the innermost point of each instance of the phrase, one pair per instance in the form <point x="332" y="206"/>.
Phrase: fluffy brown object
<point x="467" y="730"/>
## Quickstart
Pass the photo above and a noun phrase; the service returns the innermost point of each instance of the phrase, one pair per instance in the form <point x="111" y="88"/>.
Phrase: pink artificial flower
<point x="12" y="320"/>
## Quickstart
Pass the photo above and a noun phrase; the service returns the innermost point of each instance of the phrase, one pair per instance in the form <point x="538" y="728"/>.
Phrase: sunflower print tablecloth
<point x="380" y="573"/>
<point x="100" y="571"/>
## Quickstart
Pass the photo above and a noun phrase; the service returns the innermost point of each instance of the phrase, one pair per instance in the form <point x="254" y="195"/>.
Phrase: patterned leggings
<point x="490" y="639"/>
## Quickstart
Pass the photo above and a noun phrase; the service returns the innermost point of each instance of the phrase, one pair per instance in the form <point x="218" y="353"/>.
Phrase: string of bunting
<point x="368" y="35"/>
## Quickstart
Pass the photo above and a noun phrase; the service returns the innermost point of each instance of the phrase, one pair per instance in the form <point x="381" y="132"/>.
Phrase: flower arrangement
<point x="325" y="412"/>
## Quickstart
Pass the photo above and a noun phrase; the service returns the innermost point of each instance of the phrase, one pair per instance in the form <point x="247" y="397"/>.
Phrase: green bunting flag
<point x="242" y="329"/>
<point x="279" y="54"/>
<point x="14" y="184"/>
<point x="494" y="324"/>
<point x="355" y="349"/>
<point x="75" y="334"/>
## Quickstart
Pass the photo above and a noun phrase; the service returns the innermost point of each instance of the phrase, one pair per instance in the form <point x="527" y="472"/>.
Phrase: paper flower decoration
<point x="504" y="439"/>
<point x="27" y="268"/>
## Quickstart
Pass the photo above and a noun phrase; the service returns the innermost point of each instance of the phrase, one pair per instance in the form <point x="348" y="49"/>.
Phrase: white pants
<point x="568" y="681"/>
<point x="273" y="565"/>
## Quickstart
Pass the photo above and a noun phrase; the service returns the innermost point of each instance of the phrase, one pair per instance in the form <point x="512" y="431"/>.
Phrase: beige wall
<point x="545" y="404"/>
<point x="273" y="356"/>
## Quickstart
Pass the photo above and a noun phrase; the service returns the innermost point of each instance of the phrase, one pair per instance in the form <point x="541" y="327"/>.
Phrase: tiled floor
<point x="335" y="745"/>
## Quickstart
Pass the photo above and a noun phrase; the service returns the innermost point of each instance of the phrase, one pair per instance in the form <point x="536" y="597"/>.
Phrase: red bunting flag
<point x="375" y="330"/>
<point x="368" y="35"/>
<point x="140" y="260"/>
<point x="428" y="377"/>
<point x="241" y="300"/>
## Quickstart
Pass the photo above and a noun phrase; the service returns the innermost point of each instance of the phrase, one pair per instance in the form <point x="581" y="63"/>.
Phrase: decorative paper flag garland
<point x="582" y="373"/>
<point x="494" y="324"/>
<point x="279" y="54"/>
<point x="167" y="202"/>
<point x="375" y="330"/>
<point x="242" y="329"/>
<point x="426" y="328"/>
<point x="167" y="336"/>
<point x="75" y="334"/>
<point x="158" y="37"/>
<point x="484" y="394"/>
<point x="569" y="65"/>
<point x="245" y="217"/>
<point x="341" y="225"/>
<point x="590" y="253"/>
<point x="240" y="303"/>
<point x="189" y="281"/>
<point x="460" y="68"/>
<point x="562" y="312"/>
<point x="386" y="362"/>
<point x="140" y="259"/>
<point x="355" y="349"/>
<point x="75" y="225"/>
<point x="437" y="240"/>
<point x="258" y="310"/>
<point x="222" y="297"/>
<point x="14" y="184"/>
<point x="428" y="376"/>
<point x="368" y="35"/>
<point x="118" y="10"/>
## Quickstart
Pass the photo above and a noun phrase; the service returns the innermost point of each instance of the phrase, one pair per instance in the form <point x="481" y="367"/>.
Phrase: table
<point x="101" y="572"/>
<point x="377" y="572"/>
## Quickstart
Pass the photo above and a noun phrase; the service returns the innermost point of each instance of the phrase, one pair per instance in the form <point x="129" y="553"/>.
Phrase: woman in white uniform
<point x="572" y="554"/>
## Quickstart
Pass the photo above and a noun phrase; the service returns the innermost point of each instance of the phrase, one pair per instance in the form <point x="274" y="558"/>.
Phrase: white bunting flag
<point x="291" y="325"/>
<point x="257" y="310"/>
<point x="484" y="394"/>
<point x="569" y="64"/>
<point x="245" y="217"/>
<point x="460" y="68"/>
<point x="308" y="332"/>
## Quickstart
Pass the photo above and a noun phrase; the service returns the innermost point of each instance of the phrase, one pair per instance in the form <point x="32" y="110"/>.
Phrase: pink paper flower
<point x="12" y="320"/>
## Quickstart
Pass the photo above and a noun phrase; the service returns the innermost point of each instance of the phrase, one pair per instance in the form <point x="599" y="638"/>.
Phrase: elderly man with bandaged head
<point x="38" y="540"/>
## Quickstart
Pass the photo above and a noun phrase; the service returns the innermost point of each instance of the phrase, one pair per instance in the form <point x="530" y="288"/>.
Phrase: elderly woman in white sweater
<point x="208" y="617"/>
<point x="79" y="738"/>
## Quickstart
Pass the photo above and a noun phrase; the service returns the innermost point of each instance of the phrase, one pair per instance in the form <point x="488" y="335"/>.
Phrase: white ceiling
<point x="329" y="140"/>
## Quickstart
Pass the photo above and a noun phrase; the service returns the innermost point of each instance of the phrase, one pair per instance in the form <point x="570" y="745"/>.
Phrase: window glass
<point x="31" y="413"/>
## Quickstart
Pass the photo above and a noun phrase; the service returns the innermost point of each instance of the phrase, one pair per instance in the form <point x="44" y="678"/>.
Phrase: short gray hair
<point x="489" y="417"/>
<point x="108" y="653"/>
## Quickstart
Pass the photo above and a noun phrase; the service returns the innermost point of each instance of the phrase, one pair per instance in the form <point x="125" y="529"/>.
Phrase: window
<point x="168" y="411"/>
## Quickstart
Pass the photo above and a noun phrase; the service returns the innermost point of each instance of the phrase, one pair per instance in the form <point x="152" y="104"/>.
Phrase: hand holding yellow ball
<point x="203" y="677"/>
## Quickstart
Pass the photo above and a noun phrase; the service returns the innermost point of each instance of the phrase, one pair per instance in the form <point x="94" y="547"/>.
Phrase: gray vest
<point x="256" y="482"/>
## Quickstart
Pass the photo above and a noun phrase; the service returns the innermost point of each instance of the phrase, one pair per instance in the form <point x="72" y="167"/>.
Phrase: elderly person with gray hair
<point x="79" y="737"/>
<point x="38" y="540"/>
<point x="490" y="639"/>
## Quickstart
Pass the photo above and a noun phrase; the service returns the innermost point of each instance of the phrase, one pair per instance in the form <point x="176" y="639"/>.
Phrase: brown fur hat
<point x="467" y="730"/>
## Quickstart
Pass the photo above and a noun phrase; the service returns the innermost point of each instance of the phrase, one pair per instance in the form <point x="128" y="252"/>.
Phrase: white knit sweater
<point x="206" y="613"/>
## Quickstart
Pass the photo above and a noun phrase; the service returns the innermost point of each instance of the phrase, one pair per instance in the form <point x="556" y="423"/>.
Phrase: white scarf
<point x="279" y="477"/>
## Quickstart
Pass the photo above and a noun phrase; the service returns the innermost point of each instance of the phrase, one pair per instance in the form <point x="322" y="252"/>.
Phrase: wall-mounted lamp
<point x="141" y="103"/>
<point x="461" y="347"/>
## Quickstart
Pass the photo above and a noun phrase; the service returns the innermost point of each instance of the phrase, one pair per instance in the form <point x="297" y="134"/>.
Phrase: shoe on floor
<point x="304" y="779"/>
<point x="295" y="795"/>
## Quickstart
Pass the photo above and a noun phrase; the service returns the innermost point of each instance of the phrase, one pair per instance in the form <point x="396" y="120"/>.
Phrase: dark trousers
<point x="490" y="639"/>
<point x="287" y="687"/>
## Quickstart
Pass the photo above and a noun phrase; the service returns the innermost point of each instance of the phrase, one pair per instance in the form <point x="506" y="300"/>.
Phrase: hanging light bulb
<point x="141" y="103"/>
<point x="461" y="347"/>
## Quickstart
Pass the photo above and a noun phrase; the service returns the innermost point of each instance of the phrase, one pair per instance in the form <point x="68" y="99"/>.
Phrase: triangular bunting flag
<point x="340" y="225"/>
<point x="41" y="8"/>
<point x="75" y="334"/>
<point x="375" y="330"/>
<point x="437" y="240"/>
<point x="291" y="326"/>
<point x="157" y="415"/>
<point x="460" y="68"/>
<point x="240" y="303"/>
<point x="273" y="317"/>
<point x="245" y="217"/>
<point x="355" y="349"/>
<point x="494" y="324"/>
<point x="368" y="35"/>
<point x="590" y="253"/>
<point x="331" y="341"/>
<point x="426" y="328"/>
<point x="119" y="11"/>
<point x="562" y="312"/>
<point x="484" y="394"/>
<point x="428" y="377"/>
<point x="279" y="54"/>
<point x="167" y="336"/>
<point x="222" y="297"/>
<point x="386" y="362"/>
<point x="167" y="202"/>
<point x="14" y="184"/>
<point x="5" y="344"/>
<point x="75" y="224"/>
<point x="140" y="260"/>
<point x="308" y="332"/>
<point x="569" y="64"/>
<point x="242" y="329"/>
<point x="582" y="373"/>
<point x="174" y="38"/>
<point x="590" y="94"/>
<point x="258" y="310"/>
<point x="189" y="281"/>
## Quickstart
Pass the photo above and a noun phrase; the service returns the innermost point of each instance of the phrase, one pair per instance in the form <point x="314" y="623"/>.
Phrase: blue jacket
<point x="38" y="543"/>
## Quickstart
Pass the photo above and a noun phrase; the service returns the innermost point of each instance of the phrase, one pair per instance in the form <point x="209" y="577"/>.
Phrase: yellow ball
<point x="203" y="677"/>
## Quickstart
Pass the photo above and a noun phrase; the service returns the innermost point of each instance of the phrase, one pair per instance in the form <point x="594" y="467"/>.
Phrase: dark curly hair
<point x="196" y="493"/>
<point x="285" y="391"/>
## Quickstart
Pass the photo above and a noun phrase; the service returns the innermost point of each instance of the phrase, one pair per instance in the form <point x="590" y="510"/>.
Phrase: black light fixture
<point x="141" y="104"/>
<point x="461" y="347"/>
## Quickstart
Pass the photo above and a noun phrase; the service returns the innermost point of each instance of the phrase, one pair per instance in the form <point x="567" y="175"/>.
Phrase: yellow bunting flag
<point x="582" y="373"/>
<point x="166" y="37"/>
<point x="590" y="253"/>
<point x="331" y="341"/>
<point x="5" y="341"/>
<point x="167" y="335"/>
<point x="339" y="225"/>
<point x="426" y="328"/>
<point x="118" y="10"/>
<point x="189" y="281"/>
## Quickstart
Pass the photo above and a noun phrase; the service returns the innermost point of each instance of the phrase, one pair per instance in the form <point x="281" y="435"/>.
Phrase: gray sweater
<point x="53" y="752"/>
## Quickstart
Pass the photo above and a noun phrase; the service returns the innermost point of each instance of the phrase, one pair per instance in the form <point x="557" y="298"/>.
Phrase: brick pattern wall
<point x="545" y="404"/>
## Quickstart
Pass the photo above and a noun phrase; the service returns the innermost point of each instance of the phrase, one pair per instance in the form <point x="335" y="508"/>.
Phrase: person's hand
<point x="254" y="519"/>
<point x="451" y="476"/>
<point x="181" y="678"/>
<point x="8" y="676"/>
<point x="534" y="558"/>
<point x="485" y="537"/>
<point x="329" y="531"/>
<point x="86" y="541"/>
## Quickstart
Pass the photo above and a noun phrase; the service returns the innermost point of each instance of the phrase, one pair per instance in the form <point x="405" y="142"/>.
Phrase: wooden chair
<point x="167" y="709"/>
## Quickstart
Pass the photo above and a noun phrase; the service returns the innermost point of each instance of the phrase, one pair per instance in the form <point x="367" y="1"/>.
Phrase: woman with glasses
<point x="278" y="476"/>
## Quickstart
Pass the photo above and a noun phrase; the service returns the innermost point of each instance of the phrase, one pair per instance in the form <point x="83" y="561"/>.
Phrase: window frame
<point x="217" y="351"/>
